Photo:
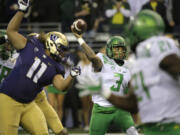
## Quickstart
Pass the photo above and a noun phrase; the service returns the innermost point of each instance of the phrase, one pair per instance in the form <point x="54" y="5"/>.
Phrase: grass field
<point x="77" y="131"/>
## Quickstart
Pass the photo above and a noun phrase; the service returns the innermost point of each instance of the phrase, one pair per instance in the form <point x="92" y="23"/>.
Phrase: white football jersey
<point x="10" y="62"/>
<point x="114" y="77"/>
<point x="158" y="93"/>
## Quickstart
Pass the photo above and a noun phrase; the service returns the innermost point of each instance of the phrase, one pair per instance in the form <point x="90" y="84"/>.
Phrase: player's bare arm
<point x="128" y="102"/>
<point x="96" y="62"/>
<point x="17" y="40"/>
<point x="60" y="83"/>
<point x="171" y="64"/>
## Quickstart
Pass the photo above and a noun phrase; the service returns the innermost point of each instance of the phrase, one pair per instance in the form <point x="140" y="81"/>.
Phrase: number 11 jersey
<point x="33" y="70"/>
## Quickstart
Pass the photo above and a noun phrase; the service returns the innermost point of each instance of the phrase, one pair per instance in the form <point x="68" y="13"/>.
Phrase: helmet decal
<point x="53" y="37"/>
<point x="57" y="44"/>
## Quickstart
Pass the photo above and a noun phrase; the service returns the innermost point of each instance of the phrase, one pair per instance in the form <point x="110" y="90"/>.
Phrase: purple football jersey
<point x="33" y="70"/>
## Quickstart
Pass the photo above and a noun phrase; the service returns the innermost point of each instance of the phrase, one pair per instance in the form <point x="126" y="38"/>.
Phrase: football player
<point x="115" y="76"/>
<point x="37" y="66"/>
<point x="155" y="80"/>
<point x="7" y="61"/>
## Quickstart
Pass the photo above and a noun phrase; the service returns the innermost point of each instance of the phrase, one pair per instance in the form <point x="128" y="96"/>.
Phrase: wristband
<point x="6" y="37"/>
<point x="107" y="93"/>
<point x="80" y="41"/>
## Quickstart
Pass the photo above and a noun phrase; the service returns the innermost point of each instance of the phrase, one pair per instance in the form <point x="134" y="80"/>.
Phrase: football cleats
<point x="146" y="23"/>
<point x="57" y="44"/>
<point x="114" y="42"/>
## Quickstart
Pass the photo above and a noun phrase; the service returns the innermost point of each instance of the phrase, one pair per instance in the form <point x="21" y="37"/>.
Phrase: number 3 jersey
<point x="33" y="70"/>
<point x="114" y="77"/>
<point x="158" y="92"/>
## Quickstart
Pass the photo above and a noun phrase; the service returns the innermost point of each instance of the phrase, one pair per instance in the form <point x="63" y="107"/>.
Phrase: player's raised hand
<point x="75" y="71"/>
<point x="78" y="27"/>
<point x="74" y="32"/>
<point x="23" y="5"/>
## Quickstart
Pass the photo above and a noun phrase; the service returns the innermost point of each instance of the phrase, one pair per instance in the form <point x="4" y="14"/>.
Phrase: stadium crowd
<point x="102" y="15"/>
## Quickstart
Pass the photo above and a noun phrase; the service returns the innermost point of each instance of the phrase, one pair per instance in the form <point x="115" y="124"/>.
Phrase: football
<point x="79" y="26"/>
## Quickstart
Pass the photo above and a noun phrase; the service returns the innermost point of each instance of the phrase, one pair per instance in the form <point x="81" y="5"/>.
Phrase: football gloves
<point x="75" y="71"/>
<point x="23" y="5"/>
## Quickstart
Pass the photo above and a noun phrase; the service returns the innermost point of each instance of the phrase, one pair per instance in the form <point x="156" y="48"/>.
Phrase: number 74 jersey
<point x="158" y="93"/>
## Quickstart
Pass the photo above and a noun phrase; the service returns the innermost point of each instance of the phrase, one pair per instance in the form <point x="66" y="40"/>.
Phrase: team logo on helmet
<point x="57" y="44"/>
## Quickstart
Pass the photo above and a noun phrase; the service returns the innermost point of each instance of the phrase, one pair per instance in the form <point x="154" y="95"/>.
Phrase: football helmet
<point x="6" y="49"/>
<point x="116" y="41"/>
<point x="57" y="44"/>
<point x="145" y="24"/>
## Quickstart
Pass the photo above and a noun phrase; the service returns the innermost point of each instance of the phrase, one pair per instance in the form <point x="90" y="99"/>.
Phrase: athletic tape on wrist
<point x="6" y="37"/>
<point x="80" y="41"/>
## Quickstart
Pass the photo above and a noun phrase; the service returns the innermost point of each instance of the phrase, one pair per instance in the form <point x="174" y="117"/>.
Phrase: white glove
<point x="23" y="5"/>
<point x="75" y="71"/>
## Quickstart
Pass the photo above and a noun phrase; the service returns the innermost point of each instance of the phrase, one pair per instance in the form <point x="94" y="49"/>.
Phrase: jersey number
<point x="140" y="76"/>
<point x="117" y="86"/>
<point x="34" y="67"/>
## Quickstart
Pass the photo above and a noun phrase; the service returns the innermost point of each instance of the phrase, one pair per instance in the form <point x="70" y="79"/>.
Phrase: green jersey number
<point x="135" y="78"/>
<point x="116" y="87"/>
<point x="164" y="46"/>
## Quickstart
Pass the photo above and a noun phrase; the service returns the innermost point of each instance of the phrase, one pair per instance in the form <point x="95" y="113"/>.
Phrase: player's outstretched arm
<point x="96" y="62"/>
<point x="128" y="102"/>
<point x="17" y="39"/>
<point x="62" y="84"/>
